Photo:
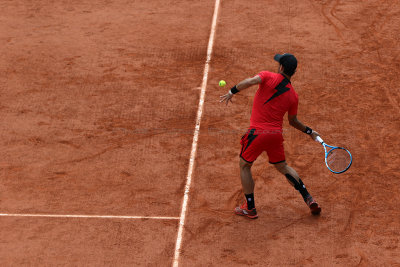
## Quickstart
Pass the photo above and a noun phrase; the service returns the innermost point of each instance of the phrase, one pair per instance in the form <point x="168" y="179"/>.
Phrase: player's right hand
<point x="226" y="98"/>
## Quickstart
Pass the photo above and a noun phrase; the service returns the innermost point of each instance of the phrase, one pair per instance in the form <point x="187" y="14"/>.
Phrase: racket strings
<point x="338" y="159"/>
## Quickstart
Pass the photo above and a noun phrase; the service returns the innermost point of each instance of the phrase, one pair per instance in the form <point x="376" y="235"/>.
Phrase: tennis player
<point x="275" y="96"/>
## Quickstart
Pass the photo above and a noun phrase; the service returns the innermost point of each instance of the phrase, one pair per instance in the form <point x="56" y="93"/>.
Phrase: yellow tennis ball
<point x="222" y="83"/>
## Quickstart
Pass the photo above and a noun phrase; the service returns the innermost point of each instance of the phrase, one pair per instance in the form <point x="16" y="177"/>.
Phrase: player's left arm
<point x="246" y="83"/>
<point x="296" y="123"/>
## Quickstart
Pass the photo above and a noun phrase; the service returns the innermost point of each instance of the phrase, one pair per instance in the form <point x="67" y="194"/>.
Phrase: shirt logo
<point x="280" y="89"/>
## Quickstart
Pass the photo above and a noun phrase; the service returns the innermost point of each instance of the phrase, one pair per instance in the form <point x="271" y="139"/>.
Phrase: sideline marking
<point x="195" y="136"/>
<point x="87" y="216"/>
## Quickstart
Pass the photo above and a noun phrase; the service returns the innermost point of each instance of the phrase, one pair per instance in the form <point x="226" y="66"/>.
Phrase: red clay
<point x="90" y="96"/>
<point x="348" y="89"/>
<point x="98" y="104"/>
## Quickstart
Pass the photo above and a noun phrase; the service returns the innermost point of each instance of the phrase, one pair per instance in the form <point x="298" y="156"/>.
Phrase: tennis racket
<point x="337" y="159"/>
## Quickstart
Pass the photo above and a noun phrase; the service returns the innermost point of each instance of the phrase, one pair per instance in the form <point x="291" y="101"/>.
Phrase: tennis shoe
<point x="313" y="205"/>
<point x="242" y="210"/>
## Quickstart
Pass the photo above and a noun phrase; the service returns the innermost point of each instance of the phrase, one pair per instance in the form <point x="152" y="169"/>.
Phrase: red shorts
<point x="254" y="142"/>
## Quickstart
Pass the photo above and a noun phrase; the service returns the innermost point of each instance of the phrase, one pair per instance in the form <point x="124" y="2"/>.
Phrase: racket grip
<point x="319" y="139"/>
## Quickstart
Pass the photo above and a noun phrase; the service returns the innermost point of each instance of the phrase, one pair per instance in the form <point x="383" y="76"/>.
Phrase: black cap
<point x="288" y="61"/>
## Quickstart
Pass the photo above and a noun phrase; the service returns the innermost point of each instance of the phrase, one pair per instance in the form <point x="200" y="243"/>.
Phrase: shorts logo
<point x="250" y="138"/>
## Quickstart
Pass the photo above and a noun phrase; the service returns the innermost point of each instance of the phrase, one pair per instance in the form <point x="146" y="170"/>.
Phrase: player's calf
<point x="308" y="199"/>
<point x="298" y="185"/>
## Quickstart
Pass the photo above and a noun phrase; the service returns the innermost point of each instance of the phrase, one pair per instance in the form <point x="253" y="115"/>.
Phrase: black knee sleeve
<point x="299" y="186"/>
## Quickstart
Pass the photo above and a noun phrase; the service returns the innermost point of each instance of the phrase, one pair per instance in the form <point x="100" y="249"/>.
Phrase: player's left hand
<point x="226" y="98"/>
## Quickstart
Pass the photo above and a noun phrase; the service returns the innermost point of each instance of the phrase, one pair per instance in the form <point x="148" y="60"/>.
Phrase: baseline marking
<point x="87" y="216"/>
<point x="195" y="136"/>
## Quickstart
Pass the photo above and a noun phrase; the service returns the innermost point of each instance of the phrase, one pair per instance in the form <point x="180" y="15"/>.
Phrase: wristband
<point x="234" y="90"/>
<point x="308" y="130"/>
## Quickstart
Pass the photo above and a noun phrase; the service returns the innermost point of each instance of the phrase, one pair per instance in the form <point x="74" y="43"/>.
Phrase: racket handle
<point x="319" y="139"/>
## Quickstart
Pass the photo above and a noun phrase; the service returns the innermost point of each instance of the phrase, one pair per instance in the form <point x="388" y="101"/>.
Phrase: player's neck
<point x="285" y="75"/>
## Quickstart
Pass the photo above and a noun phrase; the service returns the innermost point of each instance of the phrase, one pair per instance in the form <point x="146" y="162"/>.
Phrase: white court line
<point x="195" y="136"/>
<point x="87" y="216"/>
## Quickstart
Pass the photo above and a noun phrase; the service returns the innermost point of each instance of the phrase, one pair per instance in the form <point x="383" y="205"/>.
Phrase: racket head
<point x="338" y="160"/>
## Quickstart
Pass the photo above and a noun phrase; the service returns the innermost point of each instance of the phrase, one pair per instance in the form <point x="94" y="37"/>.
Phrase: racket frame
<point x="319" y="139"/>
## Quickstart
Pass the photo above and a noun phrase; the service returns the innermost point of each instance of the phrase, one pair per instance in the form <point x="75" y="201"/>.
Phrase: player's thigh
<point x="273" y="145"/>
<point x="251" y="146"/>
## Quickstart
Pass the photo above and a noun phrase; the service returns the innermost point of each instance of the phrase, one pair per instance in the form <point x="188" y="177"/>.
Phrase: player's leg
<point x="248" y="208"/>
<point x="246" y="177"/>
<point x="249" y="153"/>
<point x="294" y="179"/>
<point x="247" y="182"/>
<point x="276" y="155"/>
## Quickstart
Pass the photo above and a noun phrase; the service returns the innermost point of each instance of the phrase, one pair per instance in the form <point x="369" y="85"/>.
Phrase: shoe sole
<point x="246" y="215"/>
<point x="315" y="210"/>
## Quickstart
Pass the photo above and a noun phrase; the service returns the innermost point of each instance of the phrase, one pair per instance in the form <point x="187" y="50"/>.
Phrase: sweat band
<point x="308" y="130"/>
<point x="234" y="90"/>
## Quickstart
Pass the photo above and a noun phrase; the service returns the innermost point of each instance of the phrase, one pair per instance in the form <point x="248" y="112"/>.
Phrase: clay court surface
<point x="98" y="105"/>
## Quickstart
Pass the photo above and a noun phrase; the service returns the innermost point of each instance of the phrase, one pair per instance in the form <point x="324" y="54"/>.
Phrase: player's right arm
<point x="246" y="83"/>
<point x="294" y="122"/>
